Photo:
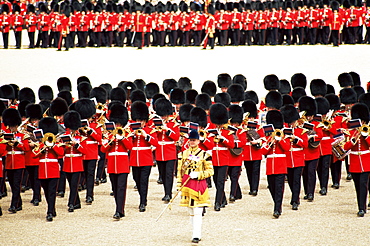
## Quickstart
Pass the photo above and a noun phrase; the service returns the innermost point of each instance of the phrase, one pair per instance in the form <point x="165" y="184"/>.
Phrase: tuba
<point x="49" y="139"/>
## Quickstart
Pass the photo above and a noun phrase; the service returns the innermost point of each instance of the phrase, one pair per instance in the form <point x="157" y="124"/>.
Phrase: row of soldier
<point x="124" y="126"/>
<point x="299" y="22"/>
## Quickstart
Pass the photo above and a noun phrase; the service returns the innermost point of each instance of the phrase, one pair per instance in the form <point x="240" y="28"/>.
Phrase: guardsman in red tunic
<point x="121" y="27"/>
<point x="17" y="24"/>
<point x="49" y="169"/>
<point x="2" y="153"/>
<point x="274" y="23"/>
<point x="301" y="22"/>
<point x="168" y="134"/>
<point x="5" y="24"/>
<point x="235" y="24"/>
<point x="73" y="23"/>
<point x="223" y="24"/>
<point x="261" y="21"/>
<point x="44" y="26"/>
<point x="359" y="155"/>
<point x="98" y="26"/>
<point x="326" y="14"/>
<point x="185" y="25"/>
<point x="199" y="21"/>
<point x="367" y="22"/>
<point x="336" y="21"/>
<point x="16" y="146"/>
<point x="220" y="152"/>
<point x="73" y="157"/>
<point x="138" y="26"/>
<point x="55" y="26"/>
<point x="173" y="24"/>
<point x="161" y="26"/>
<point x="313" y="23"/>
<point x="31" y="24"/>
<point x="87" y="110"/>
<point x="64" y="29"/>
<point x="149" y="25"/>
<point x="84" y="23"/>
<point x="141" y="156"/>
<point x="210" y="28"/>
<point x="289" y="19"/>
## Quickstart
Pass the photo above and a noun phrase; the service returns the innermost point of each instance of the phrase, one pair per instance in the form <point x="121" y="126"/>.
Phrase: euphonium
<point x="277" y="133"/>
<point x="49" y="139"/>
<point x="119" y="133"/>
<point x="365" y="128"/>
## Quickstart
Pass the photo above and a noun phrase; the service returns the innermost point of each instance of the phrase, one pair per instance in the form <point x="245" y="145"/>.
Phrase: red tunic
<point x="276" y="157"/>
<point x="17" y="22"/>
<point x="73" y="157"/>
<point x="223" y="21"/>
<point x="239" y="140"/>
<point x="31" y="22"/>
<point x="314" y="153"/>
<point x="117" y="155"/>
<point x="141" y="153"/>
<point x="48" y="163"/>
<point x="15" y="158"/>
<point x="91" y="144"/>
<point x="2" y="153"/>
<point x="220" y="151"/>
<point x="252" y="152"/>
<point x="359" y="157"/>
<point x="295" y="155"/>
<point x="166" y="149"/>
<point x="248" y="20"/>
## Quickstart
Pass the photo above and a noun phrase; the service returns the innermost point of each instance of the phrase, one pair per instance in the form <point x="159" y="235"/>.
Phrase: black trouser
<point x="18" y="39"/>
<point x="109" y="38"/>
<point x="359" y="34"/>
<point x="361" y="181"/>
<point x="62" y="180"/>
<point x="186" y="38"/>
<point x="147" y="39"/>
<point x="161" y="38"/>
<point x="294" y="181"/>
<point x="323" y="170"/>
<point x="98" y="38"/>
<point x="44" y="39"/>
<point x="219" y="180"/>
<point x="234" y="173"/>
<point x="288" y="35"/>
<point x="33" y="173"/>
<point x="312" y="32"/>
<point x="119" y="184"/>
<point x="223" y="37"/>
<point x="253" y="173"/>
<point x="236" y="36"/>
<point x="276" y="188"/>
<point x="261" y="36"/>
<point x="100" y="172"/>
<point x="336" y="171"/>
<point x="309" y="176"/>
<point x="211" y="42"/>
<point x="248" y="37"/>
<point x="50" y="189"/>
<point x="173" y="38"/>
<point x="141" y="178"/>
<point x="6" y="39"/>
<point x="25" y="181"/>
<point x="82" y="38"/>
<point x="325" y="34"/>
<point x="197" y="37"/>
<point x="31" y="36"/>
<point x="352" y="35"/>
<point x="55" y="37"/>
<point x="166" y="171"/>
<point x="73" y="181"/>
<point x="367" y="35"/>
<point x="274" y="36"/>
<point x="72" y="39"/>
<point x="89" y="170"/>
<point x="120" y="38"/>
<point x="91" y="36"/>
<point x="301" y="36"/>
<point x="335" y="37"/>
<point x="15" y="179"/>
<point x="138" y="39"/>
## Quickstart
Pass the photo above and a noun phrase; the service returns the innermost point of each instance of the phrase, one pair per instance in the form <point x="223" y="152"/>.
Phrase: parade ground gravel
<point x="329" y="219"/>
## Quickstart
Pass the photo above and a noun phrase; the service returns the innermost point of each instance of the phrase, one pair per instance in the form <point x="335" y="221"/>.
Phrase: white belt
<point x="325" y="138"/>
<point x="360" y="152"/>
<point x="117" y="153"/>
<point x="48" y="160"/>
<point x="220" y="148"/>
<point x="91" y="142"/>
<point x="165" y="142"/>
<point x="275" y="155"/>
<point x="15" y="152"/>
<point x="296" y="149"/>
<point x="73" y="155"/>
<point x="141" y="148"/>
<point x="248" y="144"/>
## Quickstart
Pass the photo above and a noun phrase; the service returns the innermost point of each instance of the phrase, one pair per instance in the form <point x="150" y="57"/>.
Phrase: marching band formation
<point x="194" y="136"/>
<point x="96" y="24"/>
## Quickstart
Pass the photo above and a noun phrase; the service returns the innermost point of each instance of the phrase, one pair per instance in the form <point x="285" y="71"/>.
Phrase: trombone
<point x="365" y="128"/>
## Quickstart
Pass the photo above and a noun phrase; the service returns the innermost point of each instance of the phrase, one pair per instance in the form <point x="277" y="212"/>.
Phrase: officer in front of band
<point x="167" y="134"/>
<point x="359" y="157"/>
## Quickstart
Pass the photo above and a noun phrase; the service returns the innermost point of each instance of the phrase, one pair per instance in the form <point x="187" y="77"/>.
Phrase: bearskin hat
<point x="184" y="112"/>
<point x="139" y="111"/>
<point x="128" y="86"/>
<point x="284" y="87"/>
<point x="177" y="96"/>
<point x="334" y="101"/>
<point x="318" y="87"/>
<point x="209" y="87"/>
<point x="223" y="80"/>
<point x="236" y="93"/>
<point x="64" y="84"/>
<point x="345" y="80"/>
<point x="72" y="120"/>
<point x="219" y="114"/>
<point x="100" y="94"/>
<point x="58" y="107"/>
<point x="252" y="95"/>
<point x="140" y="84"/>
<point x="118" y="94"/>
<point x="66" y="95"/>
<point x="34" y="111"/>
<point x="48" y="124"/>
<point x="156" y="97"/>
<point x="271" y="82"/>
<point x="290" y="113"/>
<point x="137" y="95"/>
<point x="297" y="93"/>
<point x="348" y="96"/>
<point x="2" y="107"/>
<point x="307" y="104"/>
<point x="46" y="93"/>
<point x="185" y="83"/>
<point x="360" y="111"/>
<point x="236" y="114"/>
<point x="168" y="85"/>
<point x="118" y="114"/>
<point x="86" y="108"/>
<point x="223" y="98"/>
<point x="250" y="107"/>
<point x="274" y="100"/>
<point x="359" y="90"/>
<point x="163" y="107"/>
<point x="330" y="89"/>
<point x="335" y="5"/>
<point x="356" y="77"/>
<point x="4" y="8"/>
<point x="298" y="80"/>
<point x="151" y="89"/>
<point x="323" y="105"/>
<point x="26" y="94"/>
<point x="83" y="79"/>
<point x="275" y="118"/>
<point x="190" y="96"/>
<point x="16" y="90"/>
<point x="203" y="100"/>
<point x="241" y="80"/>
<point x="7" y="91"/>
<point x="107" y="87"/>
<point x="365" y="98"/>
<point x="84" y="89"/>
<point x="287" y="100"/>
<point x="11" y="117"/>
<point x="45" y="104"/>
<point x="22" y="108"/>
<point x="198" y="115"/>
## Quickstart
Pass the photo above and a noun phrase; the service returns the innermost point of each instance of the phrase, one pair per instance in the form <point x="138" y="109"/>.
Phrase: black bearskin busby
<point x="184" y="83"/>
<point x="46" y="93"/>
<point x="345" y="80"/>
<point x="137" y="95"/>
<point x="275" y="118"/>
<point x="100" y="94"/>
<point x="7" y="92"/>
<point x="219" y="114"/>
<point x="163" y="107"/>
<point x="252" y="95"/>
<point x="168" y="85"/>
<point x="151" y="89"/>
<point x="184" y="112"/>
<point x="198" y="115"/>
<point x="66" y="95"/>
<point x="249" y="106"/>
<point x="288" y="100"/>
<point x="297" y="93"/>
<point x="119" y="114"/>
<point x="290" y="113"/>
<point x="86" y="108"/>
<point x="34" y="111"/>
<point x="224" y="80"/>
<point x="48" y="124"/>
<point x="84" y="89"/>
<point x="190" y="96"/>
<point x="11" y="117"/>
<point x="203" y="100"/>
<point x="139" y="111"/>
<point x="356" y="77"/>
<point x="22" y="108"/>
<point x="284" y="87"/>
<point x="236" y="114"/>
<point x="330" y="89"/>
<point x="223" y="98"/>
<point x="83" y="79"/>
<point x="298" y="80"/>
<point x="118" y="94"/>
<point x="318" y="87"/>
<point x="348" y="96"/>
<point x="26" y="94"/>
<point x="365" y="98"/>
<point x="334" y="101"/>
<point x="177" y="96"/>
<point x="360" y="111"/>
<point x="274" y="100"/>
<point x="58" y="107"/>
<point x="107" y="87"/>
<point x="209" y="87"/>
<point x="307" y="104"/>
<point x="323" y="105"/>
<point x="140" y="84"/>
<point x="359" y="90"/>
<point x="271" y="82"/>
<point x="241" y="80"/>
<point x="72" y="120"/>
<point x="236" y="93"/>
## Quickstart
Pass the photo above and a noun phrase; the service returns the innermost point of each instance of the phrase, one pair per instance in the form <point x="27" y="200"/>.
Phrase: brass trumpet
<point x="277" y="133"/>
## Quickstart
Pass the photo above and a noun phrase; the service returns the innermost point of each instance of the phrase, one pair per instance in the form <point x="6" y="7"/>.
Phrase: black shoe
<point x="217" y="206"/>
<point x="323" y="191"/>
<point x="79" y="187"/>
<point x="60" y="193"/>
<point x="368" y="205"/>
<point x="310" y="197"/>
<point x="23" y="189"/>
<point x="232" y="198"/>
<point x="49" y="217"/>
<point x="142" y="208"/>
<point x="253" y="193"/>
<point x="77" y="206"/>
<point x="59" y="50"/>
<point x="96" y="182"/>
<point x="195" y="240"/>
<point x="361" y="213"/>
<point x="71" y="208"/>
<point x="12" y="210"/>
<point x="223" y="204"/>
<point x="349" y="176"/>
<point x="166" y="198"/>
<point x="103" y="181"/>
<point x="117" y="216"/>
<point x="112" y="194"/>
<point x="89" y="200"/>
<point x="159" y="181"/>
<point x="305" y="197"/>
<point x="335" y="186"/>
<point x="135" y="187"/>
<point x="295" y="206"/>
<point x="1" y="212"/>
<point x="35" y="202"/>
<point x="276" y="214"/>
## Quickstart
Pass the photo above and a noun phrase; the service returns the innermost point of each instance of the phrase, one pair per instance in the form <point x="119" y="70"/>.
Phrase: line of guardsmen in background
<point x="133" y="126"/>
<point x="256" y="23"/>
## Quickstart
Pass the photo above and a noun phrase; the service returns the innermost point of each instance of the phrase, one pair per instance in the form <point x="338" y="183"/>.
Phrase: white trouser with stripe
<point x="196" y="221"/>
